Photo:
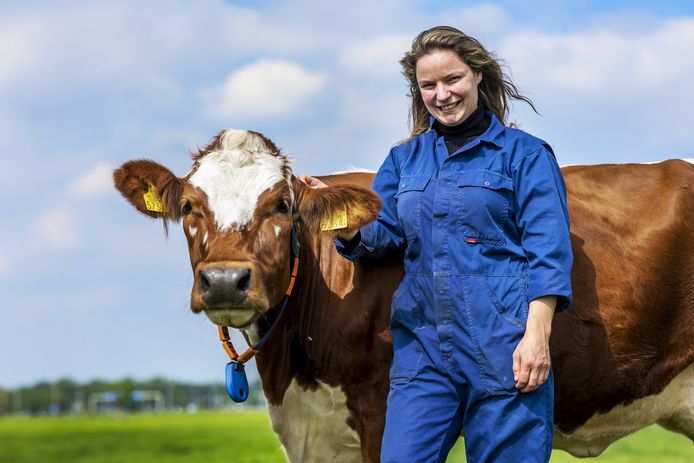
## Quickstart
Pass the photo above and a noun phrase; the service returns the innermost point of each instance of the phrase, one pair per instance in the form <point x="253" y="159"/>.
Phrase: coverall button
<point x="486" y="183"/>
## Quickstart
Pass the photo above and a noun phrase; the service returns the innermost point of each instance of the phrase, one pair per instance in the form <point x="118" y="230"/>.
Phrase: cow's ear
<point x="150" y="187"/>
<point x="327" y="209"/>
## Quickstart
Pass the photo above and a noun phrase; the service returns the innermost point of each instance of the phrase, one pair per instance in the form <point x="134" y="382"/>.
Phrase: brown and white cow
<point x="623" y="355"/>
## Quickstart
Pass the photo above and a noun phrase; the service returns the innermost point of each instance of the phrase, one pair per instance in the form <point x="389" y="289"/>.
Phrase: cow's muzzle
<point x="224" y="286"/>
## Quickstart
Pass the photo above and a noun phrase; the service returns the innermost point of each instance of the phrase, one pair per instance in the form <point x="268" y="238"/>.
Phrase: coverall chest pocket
<point x="483" y="207"/>
<point x="409" y="198"/>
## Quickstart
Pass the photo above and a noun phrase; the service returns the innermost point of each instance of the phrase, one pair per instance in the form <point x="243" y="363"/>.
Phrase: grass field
<point x="243" y="437"/>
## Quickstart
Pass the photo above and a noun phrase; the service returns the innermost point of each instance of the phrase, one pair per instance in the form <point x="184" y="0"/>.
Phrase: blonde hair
<point x="494" y="89"/>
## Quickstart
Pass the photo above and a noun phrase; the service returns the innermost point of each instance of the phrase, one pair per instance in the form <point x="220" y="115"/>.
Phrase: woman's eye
<point x="187" y="208"/>
<point x="282" y="206"/>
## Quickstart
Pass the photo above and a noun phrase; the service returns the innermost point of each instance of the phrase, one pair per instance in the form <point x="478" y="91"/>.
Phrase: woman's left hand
<point x="531" y="359"/>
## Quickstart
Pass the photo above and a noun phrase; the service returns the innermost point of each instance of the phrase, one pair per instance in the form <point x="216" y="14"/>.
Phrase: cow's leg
<point x="683" y="424"/>
<point x="367" y="404"/>
<point x="682" y="419"/>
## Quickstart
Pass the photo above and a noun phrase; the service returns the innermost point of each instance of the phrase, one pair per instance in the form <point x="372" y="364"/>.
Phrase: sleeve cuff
<point x="359" y="245"/>
<point x="552" y="284"/>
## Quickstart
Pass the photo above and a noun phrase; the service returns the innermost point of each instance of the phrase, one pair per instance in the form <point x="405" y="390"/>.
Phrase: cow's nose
<point x="224" y="286"/>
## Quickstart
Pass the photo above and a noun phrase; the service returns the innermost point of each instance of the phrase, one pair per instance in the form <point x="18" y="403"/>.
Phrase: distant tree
<point x="124" y="390"/>
<point x="36" y="399"/>
<point x="5" y="402"/>
<point x="67" y="392"/>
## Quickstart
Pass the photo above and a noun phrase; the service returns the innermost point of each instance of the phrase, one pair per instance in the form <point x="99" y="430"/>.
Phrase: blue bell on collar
<point x="237" y="383"/>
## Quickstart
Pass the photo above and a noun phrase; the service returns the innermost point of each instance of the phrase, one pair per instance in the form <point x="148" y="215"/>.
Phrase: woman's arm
<point x="543" y="221"/>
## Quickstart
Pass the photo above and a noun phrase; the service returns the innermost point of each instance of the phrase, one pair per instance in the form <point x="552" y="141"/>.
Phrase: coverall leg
<point x="426" y="414"/>
<point x="427" y="417"/>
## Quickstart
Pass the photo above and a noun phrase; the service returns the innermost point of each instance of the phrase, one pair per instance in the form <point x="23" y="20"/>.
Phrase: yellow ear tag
<point x="152" y="200"/>
<point x="336" y="222"/>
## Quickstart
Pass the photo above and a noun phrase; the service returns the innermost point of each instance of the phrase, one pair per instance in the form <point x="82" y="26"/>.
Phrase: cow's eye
<point x="187" y="208"/>
<point x="282" y="206"/>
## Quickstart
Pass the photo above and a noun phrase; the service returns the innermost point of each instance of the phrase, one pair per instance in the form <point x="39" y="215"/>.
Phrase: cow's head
<point x="237" y="207"/>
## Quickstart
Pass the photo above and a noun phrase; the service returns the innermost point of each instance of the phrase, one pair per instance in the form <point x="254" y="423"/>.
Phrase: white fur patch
<point x="234" y="177"/>
<point x="278" y="229"/>
<point x="192" y="231"/>
<point x="312" y="426"/>
<point x="204" y="238"/>
<point x="675" y="404"/>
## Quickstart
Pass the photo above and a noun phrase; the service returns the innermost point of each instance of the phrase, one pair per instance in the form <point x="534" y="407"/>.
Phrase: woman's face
<point x="448" y="86"/>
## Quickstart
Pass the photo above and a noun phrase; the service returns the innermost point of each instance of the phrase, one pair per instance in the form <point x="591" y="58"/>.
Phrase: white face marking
<point x="278" y="229"/>
<point x="312" y="425"/>
<point x="674" y="405"/>
<point x="234" y="177"/>
<point x="192" y="231"/>
<point x="204" y="238"/>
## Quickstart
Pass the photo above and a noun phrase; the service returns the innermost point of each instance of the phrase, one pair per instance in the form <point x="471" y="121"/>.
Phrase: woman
<point x="480" y="209"/>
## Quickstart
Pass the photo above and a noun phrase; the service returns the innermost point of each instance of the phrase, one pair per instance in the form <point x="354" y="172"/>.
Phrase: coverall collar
<point x="494" y="133"/>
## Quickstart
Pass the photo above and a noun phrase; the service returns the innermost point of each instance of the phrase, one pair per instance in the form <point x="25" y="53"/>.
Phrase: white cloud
<point x="56" y="229"/>
<point x="125" y="46"/>
<point x="96" y="181"/>
<point x="265" y="89"/>
<point x="603" y="62"/>
<point x="377" y="56"/>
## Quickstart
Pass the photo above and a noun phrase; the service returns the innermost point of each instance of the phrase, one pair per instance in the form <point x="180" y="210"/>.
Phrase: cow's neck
<point x="315" y="329"/>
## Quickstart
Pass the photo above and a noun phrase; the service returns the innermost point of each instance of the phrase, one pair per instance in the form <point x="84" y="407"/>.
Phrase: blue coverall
<point x="485" y="230"/>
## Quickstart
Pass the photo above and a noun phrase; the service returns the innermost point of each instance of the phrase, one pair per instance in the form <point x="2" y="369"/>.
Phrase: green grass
<point x="649" y="445"/>
<point x="202" y="437"/>
<point x="243" y="437"/>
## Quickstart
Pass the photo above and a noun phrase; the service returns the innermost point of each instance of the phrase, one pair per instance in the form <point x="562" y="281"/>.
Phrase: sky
<point x="94" y="289"/>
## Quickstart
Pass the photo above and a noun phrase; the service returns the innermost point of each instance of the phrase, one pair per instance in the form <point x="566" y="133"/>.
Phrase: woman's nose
<point x="442" y="92"/>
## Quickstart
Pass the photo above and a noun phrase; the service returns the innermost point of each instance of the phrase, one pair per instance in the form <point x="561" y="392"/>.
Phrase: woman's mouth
<point x="447" y="107"/>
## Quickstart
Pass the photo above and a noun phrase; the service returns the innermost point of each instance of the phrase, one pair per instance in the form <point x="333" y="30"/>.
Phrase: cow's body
<point x="622" y="355"/>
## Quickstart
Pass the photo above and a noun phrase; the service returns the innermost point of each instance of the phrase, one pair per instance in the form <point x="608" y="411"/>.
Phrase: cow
<point x="622" y="355"/>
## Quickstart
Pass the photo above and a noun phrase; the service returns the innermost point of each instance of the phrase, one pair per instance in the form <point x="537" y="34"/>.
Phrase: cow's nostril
<point x="244" y="280"/>
<point x="203" y="280"/>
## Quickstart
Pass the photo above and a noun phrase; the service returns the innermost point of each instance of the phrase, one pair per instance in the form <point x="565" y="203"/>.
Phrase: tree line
<point x="66" y="396"/>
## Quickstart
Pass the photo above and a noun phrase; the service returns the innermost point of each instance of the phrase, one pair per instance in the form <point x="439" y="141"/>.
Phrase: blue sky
<point x="92" y="289"/>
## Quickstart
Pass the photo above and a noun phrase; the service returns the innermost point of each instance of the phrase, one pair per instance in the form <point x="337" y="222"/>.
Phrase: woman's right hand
<point x="314" y="183"/>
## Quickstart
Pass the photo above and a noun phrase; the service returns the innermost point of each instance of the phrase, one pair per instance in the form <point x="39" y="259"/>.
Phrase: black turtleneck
<point x="460" y="135"/>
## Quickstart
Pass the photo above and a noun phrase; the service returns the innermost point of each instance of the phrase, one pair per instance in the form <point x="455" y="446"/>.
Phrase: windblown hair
<point x="494" y="90"/>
